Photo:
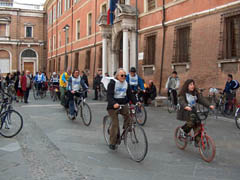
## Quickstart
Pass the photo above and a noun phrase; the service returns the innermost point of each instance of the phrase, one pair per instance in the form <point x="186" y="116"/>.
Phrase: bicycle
<point x="11" y="121"/>
<point x="206" y="143"/>
<point x="237" y="117"/>
<point x="134" y="136"/>
<point x="230" y="106"/>
<point x="82" y="109"/>
<point x="141" y="113"/>
<point x="212" y="97"/>
<point x="39" y="92"/>
<point x="170" y="102"/>
<point x="54" y="92"/>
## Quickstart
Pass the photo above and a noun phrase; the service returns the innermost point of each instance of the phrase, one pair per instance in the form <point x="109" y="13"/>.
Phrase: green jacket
<point x="184" y="115"/>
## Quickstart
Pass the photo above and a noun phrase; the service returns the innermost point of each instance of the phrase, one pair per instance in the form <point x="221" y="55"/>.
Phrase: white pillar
<point x="125" y="50"/>
<point x="133" y="50"/>
<point x="127" y="2"/>
<point x="104" y="56"/>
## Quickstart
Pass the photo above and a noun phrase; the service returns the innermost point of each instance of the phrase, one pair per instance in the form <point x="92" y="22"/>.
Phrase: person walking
<point x="26" y="85"/>
<point x="97" y="83"/>
<point x="85" y="78"/>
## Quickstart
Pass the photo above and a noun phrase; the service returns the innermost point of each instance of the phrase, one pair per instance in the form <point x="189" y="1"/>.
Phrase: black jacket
<point x="85" y="78"/>
<point x="97" y="81"/>
<point x="110" y="96"/>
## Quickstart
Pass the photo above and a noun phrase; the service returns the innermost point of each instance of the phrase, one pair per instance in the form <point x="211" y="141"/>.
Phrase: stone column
<point x="125" y="50"/>
<point x="133" y="49"/>
<point x="104" y="55"/>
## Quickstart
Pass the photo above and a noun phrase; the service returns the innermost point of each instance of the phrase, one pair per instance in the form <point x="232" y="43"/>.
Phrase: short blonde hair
<point x="118" y="71"/>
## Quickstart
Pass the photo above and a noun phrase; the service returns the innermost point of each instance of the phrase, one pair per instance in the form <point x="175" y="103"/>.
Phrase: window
<point x="59" y="39"/>
<point x="59" y="65"/>
<point x="88" y="59"/>
<point x="78" y="29"/>
<point x="67" y="4"/>
<point x="149" y="58"/>
<point x="66" y="62"/>
<point x="182" y="44"/>
<point x="49" y="66"/>
<point x="151" y="4"/>
<point x="104" y="9"/>
<point x="2" y="29"/>
<point x="67" y="36"/>
<point x="28" y="31"/>
<point x="50" y="17"/>
<point x="50" y="44"/>
<point x="232" y="37"/>
<point x="54" y="13"/>
<point x="54" y="42"/>
<point x="29" y="53"/>
<point x="76" y="62"/>
<point x="122" y="1"/>
<point x="100" y="58"/>
<point x="59" y="11"/>
<point x="89" y="20"/>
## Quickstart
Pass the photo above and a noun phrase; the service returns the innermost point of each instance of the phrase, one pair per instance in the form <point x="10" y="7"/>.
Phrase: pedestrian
<point x="188" y="98"/>
<point x="97" y="83"/>
<point x="26" y="85"/>
<point x="19" y="87"/>
<point x="150" y="94"/>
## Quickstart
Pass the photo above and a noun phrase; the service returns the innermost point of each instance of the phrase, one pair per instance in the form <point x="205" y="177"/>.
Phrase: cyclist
<point x="172" y="85"/>
<point x="118" y="93"/>
<point x="63" y="84"/>
<point x="54" y="79"/>
<point x="39" y="79"/>
<point x="75" y="83"/>
<point x="188" y="98"/>
<point x="230" y="90"/>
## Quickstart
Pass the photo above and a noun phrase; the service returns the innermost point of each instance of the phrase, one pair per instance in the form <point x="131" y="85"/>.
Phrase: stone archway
<point x="5" y="61"/>
<point x="118" y="49"/>
<point x="29" y="60"/>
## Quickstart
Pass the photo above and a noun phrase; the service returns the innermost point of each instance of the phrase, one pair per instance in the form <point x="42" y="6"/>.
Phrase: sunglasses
<point x="123" y="75"/>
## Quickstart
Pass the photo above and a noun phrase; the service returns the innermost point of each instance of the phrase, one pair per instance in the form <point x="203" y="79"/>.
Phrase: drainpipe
<point x="95" y="39"/>
<point x="72" y="36"/>
<point x="163" y="46"/>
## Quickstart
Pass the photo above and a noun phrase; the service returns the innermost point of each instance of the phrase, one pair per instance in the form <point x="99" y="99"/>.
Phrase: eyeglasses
<point x="123" y="75"/>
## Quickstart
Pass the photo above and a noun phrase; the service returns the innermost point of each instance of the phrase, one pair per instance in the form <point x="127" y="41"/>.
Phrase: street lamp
<point x="65" y="29"/>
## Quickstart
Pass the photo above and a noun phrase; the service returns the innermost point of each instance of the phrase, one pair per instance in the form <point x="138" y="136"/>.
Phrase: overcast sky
<point x="30" y="1"/>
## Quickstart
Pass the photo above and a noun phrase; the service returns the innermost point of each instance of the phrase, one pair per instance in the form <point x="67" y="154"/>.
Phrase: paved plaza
<point x="51" y="147"/>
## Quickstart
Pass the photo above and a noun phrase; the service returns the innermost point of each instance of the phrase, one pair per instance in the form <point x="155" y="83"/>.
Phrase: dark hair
<point x="18" y="73"/>
<point x="230" y="75"/>
<point x="174" y="72"/>
<point x="74" y="71"/>
<point x="184" y="89"/>
<point x="133" y="69"/>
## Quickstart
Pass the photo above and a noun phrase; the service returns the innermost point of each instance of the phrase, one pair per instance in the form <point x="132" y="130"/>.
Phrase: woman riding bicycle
<point x="118" y="93"/>
<point x="75" y="83"/>
<point x="188" y="98"/>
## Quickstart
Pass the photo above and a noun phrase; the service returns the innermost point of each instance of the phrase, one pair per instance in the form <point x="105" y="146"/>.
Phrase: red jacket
<point x="24" y="82"/>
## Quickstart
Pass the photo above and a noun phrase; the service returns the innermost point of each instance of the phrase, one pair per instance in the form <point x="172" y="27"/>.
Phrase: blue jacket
<point x="36" y="78"/>
<point x="232" y="85"/>
<point x="140" y="83"/>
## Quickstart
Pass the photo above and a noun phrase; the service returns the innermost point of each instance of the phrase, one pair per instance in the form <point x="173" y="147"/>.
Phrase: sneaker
<point x="72" y="117"/>
<point x="112" y="146"/>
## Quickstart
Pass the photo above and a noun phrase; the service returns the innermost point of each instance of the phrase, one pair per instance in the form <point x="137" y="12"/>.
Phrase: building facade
<point x="22" y="38"/>
<point x="198" y="39"/>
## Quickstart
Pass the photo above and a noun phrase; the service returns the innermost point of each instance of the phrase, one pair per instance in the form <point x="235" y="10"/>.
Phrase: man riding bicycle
<point x="230" y="89"/>
<point x="75" y="84"/>
<point x="39" y="80"/>
<point x="118" y="93"/>
<point x="54" y="79"/>
<point x="135" y="82"/>
<point x="172" y="86"/>
<point x="63" y="84"/>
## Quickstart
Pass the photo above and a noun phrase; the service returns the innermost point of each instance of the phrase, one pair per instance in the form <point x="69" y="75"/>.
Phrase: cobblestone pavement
<point x="51" y="147"/>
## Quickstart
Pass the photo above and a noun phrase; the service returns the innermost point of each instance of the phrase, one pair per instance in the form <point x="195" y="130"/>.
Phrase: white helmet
<point x="54" y="73"/>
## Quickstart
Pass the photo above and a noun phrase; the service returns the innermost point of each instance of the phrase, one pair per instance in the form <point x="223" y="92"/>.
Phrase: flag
<point x="110" y="17"/>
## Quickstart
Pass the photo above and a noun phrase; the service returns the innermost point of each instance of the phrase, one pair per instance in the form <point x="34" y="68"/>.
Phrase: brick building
<point x="199" y="39"/>
<point x="22" y="39"/>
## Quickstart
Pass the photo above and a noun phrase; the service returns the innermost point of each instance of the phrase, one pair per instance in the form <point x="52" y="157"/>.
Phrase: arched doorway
<point x="5" y="61"/>
<point x="29" y="60"/>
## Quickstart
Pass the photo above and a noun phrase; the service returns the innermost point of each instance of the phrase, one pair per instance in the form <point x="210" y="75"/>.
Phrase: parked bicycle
<point x="207" y="146"/>
<point x="82" y="109"/>
<point x="11" y="121"/>
<point x="134" y="136"/>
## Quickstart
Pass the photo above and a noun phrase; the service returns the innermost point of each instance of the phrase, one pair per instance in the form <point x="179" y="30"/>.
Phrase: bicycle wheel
<point x="11" y="123"/>
<point x="35" y="94"/>
<point x="141" y="115"/>
<point x="237" y="118"/>
<point x="136" y="142"/>
<point x="170" y="105"/>
<point x="180" y="142"/>
<point x="107" y="123"/>
<point x="207" y="148"/>
<point x="86" y="114"/>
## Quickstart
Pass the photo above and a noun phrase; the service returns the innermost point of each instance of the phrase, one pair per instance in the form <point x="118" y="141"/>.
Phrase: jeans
<point x="174" y="93"/>
<point x="71" y="102"/>
<point x="62" y="95"/>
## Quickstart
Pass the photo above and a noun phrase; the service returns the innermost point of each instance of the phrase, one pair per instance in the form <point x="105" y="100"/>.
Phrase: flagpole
<point x="137" y="35"/>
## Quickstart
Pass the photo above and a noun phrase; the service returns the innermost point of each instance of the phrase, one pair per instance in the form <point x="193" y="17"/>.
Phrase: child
<point x="188" y="98"/>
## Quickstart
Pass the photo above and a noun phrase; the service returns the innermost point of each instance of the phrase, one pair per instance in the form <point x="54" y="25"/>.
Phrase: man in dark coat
<point x="97" y="83"/>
